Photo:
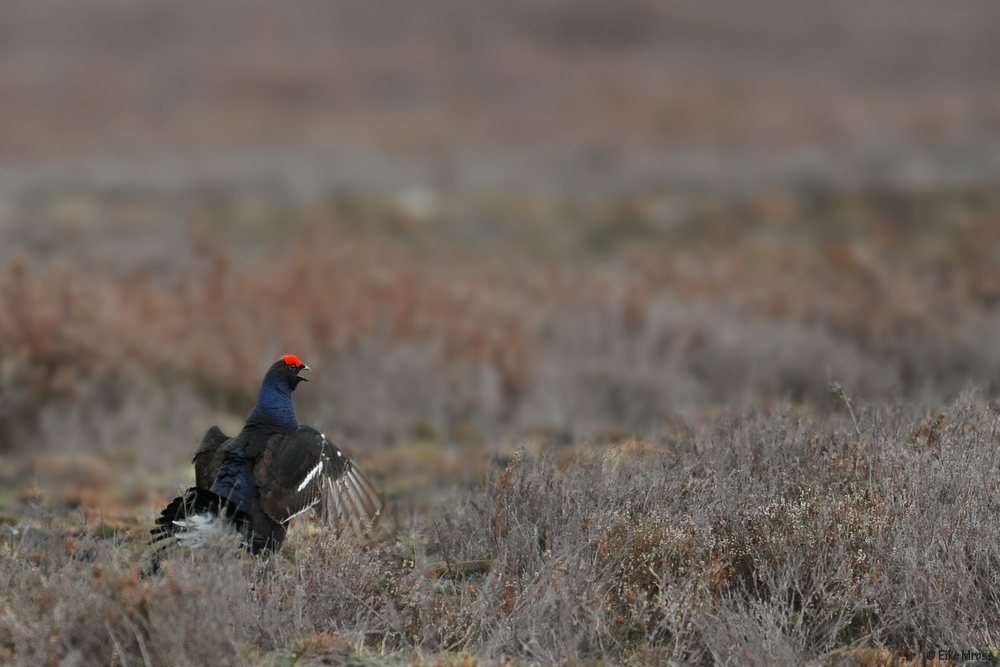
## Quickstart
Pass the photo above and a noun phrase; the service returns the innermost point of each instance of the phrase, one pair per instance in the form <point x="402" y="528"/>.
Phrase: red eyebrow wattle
<point x="291" y="360"/>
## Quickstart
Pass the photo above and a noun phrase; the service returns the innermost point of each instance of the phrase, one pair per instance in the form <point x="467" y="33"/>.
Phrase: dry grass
<point x="592" y="84"/>
<point x="773" y="538"/>
<point x="598" y="398"/>
<point x="743" y="516"/>
<point x="579" y="317"/>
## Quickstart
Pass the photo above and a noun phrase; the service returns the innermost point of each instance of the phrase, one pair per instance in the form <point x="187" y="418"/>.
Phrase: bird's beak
<point x="304" y="368"/>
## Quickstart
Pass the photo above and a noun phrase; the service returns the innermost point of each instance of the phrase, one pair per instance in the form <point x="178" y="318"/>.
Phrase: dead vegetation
<point x="671" y="331"/>
<point x="687" y="489"/>
<point x="774" y="538"/>
<point x="578" y="317"/>
<point x="599" y="84"/>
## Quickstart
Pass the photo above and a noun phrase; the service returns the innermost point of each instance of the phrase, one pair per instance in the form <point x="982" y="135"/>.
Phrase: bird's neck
<point x="274" y="408"/>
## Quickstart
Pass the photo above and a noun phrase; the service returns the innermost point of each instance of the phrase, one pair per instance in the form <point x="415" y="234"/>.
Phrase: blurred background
<point x="483" y="225"/>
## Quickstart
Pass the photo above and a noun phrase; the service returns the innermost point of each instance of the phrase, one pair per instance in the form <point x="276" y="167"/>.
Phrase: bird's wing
<point x="235" y="479"/>
<point x="210" y="443"/>
<point x="348" y="499"/>
<point x="304" y="470"/>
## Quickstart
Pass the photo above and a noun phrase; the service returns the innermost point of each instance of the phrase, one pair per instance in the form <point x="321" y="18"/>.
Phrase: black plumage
<point x="272" y="470"/>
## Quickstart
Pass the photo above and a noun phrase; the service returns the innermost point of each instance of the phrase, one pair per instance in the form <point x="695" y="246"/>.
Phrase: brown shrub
<point x="771" y="538"/>
<point x="469" y="336"/>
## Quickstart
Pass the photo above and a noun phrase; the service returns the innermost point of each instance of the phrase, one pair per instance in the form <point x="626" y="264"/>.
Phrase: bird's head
<point x="274" y="404"/>
<point x="284" y="373"/>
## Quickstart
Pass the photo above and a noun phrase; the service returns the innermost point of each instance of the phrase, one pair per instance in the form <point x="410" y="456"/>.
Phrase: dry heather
<point x="481" y="225"/>
<point x="591" y="84"/>
<point x="773" y="538"/>
<point x="719" y="533"/>
<point x="580" y="317"/>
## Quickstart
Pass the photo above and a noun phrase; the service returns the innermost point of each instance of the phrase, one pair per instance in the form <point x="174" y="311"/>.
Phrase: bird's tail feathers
<point x="190" y="520"/>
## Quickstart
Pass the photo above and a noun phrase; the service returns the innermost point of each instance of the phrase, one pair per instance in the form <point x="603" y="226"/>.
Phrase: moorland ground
<point x="671" y="333"/>
<point x="612" y="441"/>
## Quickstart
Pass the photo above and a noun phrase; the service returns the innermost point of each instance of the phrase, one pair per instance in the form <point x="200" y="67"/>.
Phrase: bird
<point x="274" y="469"/>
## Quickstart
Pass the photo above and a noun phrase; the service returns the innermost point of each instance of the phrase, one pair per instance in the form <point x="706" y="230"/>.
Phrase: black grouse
<point x="272" y="470"/>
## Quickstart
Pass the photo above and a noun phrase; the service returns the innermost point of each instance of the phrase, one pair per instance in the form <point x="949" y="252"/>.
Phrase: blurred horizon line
<point x="303" y="175"/>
